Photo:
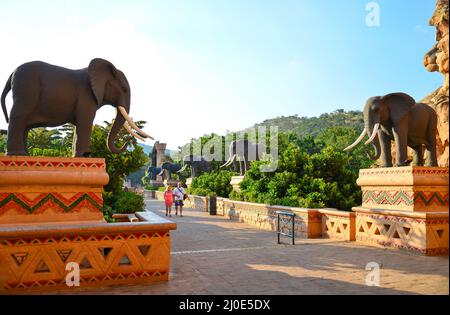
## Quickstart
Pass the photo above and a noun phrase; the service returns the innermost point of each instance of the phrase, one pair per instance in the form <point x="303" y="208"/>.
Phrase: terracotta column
<point x="160" y="156"/>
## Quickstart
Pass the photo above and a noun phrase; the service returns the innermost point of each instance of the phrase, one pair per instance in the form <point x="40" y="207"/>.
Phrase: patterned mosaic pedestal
<point x="404" y="207"/>
<point x="51" y="215"/>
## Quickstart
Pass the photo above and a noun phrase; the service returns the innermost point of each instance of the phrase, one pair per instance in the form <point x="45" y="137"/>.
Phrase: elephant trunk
<point x="115" y="128"/>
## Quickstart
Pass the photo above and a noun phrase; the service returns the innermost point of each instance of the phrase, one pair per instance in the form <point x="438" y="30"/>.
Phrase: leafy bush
<point x="107" y="213"/>
<point x="311" y="177"/>
<point x="129" y="202"/>
<point x="215" y="182"/>
<point x="150" y="187"/>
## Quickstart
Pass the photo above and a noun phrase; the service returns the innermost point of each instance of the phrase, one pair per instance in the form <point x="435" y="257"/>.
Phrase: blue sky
<point x="202" y="66"/>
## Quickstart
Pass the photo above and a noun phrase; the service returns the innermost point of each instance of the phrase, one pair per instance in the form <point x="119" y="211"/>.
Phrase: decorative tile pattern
<point x="405" y="198"/>
<point x="44" y="164"/>
<point x="404" y="170"/>
<point x="39" y="204"/>
<point x="38" y="264"/>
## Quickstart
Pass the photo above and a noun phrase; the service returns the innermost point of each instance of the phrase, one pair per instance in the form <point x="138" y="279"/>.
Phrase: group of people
<point x="177" y="195"/>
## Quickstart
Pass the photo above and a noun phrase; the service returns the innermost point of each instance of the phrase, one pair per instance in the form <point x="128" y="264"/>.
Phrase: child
<point x="168" y="197"/>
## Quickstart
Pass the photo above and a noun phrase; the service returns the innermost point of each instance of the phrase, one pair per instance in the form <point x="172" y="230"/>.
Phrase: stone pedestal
<point x="404" y="207"/>
<point x="41" y="189"/>
<point x="235" y="181"/>
<point x="409" y="188"/>
<point x="51" y="215"/>
<point x="160" y="156"/>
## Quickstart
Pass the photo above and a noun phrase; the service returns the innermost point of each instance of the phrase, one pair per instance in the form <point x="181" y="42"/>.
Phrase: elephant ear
<point x="100" y="71"/>
<point x="399" y="105"/>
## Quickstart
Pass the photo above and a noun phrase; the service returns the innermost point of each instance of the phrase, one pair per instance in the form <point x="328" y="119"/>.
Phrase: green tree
<point x="339" y="138"/>
<point x="118" y="166"/>
<point x="215" y="182"/>
<point x="3" y="139"/>
<point x="319" y="179"/>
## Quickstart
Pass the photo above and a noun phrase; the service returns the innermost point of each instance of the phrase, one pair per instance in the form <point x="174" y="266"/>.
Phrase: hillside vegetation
<point x="312" y="126"/>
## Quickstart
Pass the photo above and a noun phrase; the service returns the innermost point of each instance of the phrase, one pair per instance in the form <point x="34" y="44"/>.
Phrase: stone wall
<point x="308" y="222"/>
<point x="437" y="59"/>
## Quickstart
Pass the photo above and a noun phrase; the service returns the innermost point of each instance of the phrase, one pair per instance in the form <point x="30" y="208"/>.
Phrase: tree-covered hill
<point x="303" y="126"/>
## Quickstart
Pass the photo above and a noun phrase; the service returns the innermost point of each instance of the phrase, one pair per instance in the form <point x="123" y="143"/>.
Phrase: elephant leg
<point x="17" y="131"/>
<point x="400" y="145"/>
<point x="241" y="168"/>
<point x="83" y="136"/>
<point x="25" y="140"/>
<point x="417" y="155"/>
<point x="386" y="155"/>
<point x="431" y="158"/>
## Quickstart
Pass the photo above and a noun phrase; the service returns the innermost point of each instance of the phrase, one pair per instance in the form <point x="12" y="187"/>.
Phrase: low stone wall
<point x="197" y="202"/>
<point x="425" y="233"/>
<point x="308" y="222"/>
<point x="159" y="195"/>
<point x="338" y="224"/>
<point x="149" y="194"/>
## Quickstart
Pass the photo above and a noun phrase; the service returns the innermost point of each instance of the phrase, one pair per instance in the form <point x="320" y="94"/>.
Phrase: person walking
<point x="168" y="198"/>
<point x="180" y="195"/>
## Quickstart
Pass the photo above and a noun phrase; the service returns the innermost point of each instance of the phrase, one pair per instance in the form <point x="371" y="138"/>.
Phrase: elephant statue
<point x="397" y="117"/>
<point x="49" y="96"/>
<point x="171" y="168"/>
<point x="197" y="164"/>
<point x="154" y="171"/>
<point x="244" y="151"/>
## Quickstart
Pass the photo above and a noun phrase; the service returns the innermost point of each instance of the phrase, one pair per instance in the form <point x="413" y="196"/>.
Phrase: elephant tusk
<point x="230" y="160"/>
<point x="182" y="169"/>
<point x="226" y="163"/>
<point x="374" y="134"/>
<point x="361" y="136"/>
<point x="132" y="124"/>
<point x="128" y="128"/>
<point x="160" y="173"/>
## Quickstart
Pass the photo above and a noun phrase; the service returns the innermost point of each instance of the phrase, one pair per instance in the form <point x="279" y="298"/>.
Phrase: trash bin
<point x="212" y="200"/>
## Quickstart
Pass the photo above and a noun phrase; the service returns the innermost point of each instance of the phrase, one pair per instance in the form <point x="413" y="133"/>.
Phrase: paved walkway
<point x="213" y="255"/>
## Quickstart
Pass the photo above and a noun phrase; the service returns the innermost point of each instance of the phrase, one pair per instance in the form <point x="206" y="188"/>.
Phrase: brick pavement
<point x="213" y="255"/>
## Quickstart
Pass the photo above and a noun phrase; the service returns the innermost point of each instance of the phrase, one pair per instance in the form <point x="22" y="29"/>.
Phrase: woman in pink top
<point x="168" y="198"/>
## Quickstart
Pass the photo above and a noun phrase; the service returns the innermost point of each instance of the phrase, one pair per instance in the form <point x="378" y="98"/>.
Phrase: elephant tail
<point x="4" y="93"/>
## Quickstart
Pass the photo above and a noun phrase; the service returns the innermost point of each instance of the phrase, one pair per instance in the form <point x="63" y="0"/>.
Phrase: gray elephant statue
<point x="397" y="117"/>
<point x="171" y="168"/>
<point x="49" y="96"/>
<point x="154" y="171"/>
<point x="244" y="151"/>
<point x="197" y="164"/>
